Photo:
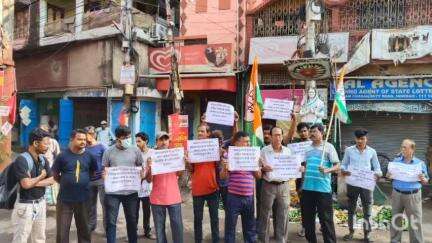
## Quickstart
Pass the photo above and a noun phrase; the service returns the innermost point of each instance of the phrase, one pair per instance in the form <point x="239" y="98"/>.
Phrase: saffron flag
<point x="341" y="111"/>
<point x="253" y="109"/>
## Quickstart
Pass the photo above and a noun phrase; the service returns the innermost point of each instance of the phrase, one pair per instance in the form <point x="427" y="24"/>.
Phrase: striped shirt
<point x="241" y="183"/>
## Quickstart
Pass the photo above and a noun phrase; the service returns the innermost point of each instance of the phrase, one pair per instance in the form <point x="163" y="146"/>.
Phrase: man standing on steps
<point x="360" y="156"/>
<point x="104" y="134"/>
<point x="123" y="153"/>
<point x="96" y="182"/>
<point x="205" y="189"/>
<point x="72" y="169"/>
<point x="142" y="140"/>
<point x="33" y="174"/>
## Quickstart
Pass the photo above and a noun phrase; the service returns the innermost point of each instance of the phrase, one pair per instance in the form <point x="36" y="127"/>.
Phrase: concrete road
<point x="379" y="236"/>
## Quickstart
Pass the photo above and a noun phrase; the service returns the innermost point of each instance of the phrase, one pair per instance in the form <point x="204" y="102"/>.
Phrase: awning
<point x="228" y="83"/>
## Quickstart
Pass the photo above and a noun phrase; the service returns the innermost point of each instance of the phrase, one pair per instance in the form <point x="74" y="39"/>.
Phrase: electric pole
<point x="175" y="87"/>
<point x="126" y="24"/>
<point x="310" y="32"/>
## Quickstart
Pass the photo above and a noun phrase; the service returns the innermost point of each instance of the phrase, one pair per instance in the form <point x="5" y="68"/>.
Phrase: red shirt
<point x="204" y="179"/>
<point x="165" y="190"/>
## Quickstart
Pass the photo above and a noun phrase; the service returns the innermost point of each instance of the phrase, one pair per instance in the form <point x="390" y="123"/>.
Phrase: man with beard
<point x="72" y="169"/>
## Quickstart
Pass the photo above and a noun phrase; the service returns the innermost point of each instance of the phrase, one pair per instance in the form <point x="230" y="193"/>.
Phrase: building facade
<point x="69" y="65"/>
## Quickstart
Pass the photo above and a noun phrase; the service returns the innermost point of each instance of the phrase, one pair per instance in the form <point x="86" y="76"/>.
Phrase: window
<point x="224" y="4"/>
<point x="201" y="6"/>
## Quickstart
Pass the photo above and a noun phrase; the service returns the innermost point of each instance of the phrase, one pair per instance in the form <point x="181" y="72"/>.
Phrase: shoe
<point x="301" y="232"/>
<point x="348" y="237"/>
<point x="150" y="236"/>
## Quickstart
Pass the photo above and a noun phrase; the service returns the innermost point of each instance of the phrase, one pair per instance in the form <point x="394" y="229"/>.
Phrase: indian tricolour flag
<point x="341" y="110"/>
<point x="254" y="106"/>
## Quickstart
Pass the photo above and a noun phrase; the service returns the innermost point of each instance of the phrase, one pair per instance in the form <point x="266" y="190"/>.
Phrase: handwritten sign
<point x="167" y="161"/>
<point x="145" y="189"/>
<point x="243" y="158"/>
<point x="4" y="110"/>
<point x="284" y="167"/>
<point x="361" y="178"/>
<point x="220" y="113"/>
<point x="299" y="149"/>
<point x="404" y="172"/>
<point x="203" y="150"/>
<point x="122" y="178"/>
<point x="6" y="128"/>
<point x="278" y="109"/>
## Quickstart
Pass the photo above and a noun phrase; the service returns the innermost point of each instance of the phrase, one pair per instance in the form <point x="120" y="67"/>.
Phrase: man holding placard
<point x="122" y="155"/>
<point x="321" y="160"/>
<point x="142" y="140"/>
<point x="360" y="157"/>
<point x="407" y="196"/>
<point x="241" y="172"/>
<point x="203" y="156"/>
<point x="165" y="195"/>
<point x="275" y="187"/>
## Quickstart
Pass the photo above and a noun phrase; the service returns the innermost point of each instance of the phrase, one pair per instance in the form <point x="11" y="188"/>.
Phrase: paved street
<point x="379" y="236"/>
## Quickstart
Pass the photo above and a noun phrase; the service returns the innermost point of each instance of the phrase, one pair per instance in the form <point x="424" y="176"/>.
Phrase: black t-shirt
<point x="20" y="168"/>
<point x="75" y="171"/>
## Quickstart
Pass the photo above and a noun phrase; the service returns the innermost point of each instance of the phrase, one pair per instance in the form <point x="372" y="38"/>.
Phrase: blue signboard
<point x="388" y="89"/>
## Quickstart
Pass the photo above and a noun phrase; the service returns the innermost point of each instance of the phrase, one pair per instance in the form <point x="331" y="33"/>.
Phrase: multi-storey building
<point x="70" y="55"/>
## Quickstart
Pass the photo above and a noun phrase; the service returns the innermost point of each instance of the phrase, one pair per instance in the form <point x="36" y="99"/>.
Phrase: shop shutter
<point x="387" y="130"/>
<point x="148" y="120"/>
<point x="33" y="116"/>
<point x="65" y="122"/>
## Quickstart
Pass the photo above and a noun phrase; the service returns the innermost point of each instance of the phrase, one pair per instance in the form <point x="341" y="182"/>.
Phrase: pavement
<point x="187" y="211"/>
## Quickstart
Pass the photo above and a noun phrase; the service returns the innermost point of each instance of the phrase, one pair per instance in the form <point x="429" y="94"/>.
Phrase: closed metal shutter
<point x="387" y="130"/>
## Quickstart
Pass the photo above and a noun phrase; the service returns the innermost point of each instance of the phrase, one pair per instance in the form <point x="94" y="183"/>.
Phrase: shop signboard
<point x="388" y="89"/>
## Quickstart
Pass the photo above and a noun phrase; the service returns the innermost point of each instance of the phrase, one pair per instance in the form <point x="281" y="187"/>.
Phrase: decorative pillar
<point x="43" y="16"/>
<point x="79" y="15"/>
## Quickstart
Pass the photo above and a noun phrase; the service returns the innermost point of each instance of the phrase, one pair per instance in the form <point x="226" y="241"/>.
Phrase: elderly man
<point x="274" y="192"/>
<point x="407" y="197"/>
<point x="360" y="156"/>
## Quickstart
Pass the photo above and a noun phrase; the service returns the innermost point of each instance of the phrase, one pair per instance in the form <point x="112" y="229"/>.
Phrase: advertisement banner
<point x="178" y="130"/>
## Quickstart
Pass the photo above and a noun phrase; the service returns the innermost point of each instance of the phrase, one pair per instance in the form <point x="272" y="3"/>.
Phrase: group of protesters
<point x="257" y="198"/>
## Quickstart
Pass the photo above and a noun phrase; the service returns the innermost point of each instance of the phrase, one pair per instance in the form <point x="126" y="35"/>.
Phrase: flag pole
<point x="331" y="117"/>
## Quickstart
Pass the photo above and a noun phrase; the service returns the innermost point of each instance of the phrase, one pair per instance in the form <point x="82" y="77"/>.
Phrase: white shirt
<point x="105" y="136"/>
<point x="267" y="153"/>
<point x="145" y="186"/>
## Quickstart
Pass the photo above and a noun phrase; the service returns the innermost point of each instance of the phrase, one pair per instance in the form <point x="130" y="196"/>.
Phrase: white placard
<point x="4" y="110"/>
<point x="167" y="161"/>
<point x="220" y="113"/>
<point x="243" y="158"/>
<point x="284" y="167"/>
<point x="278" y="109"/>
<point x="6" y="128"/>
<point x="127" y="74"/>
<point x="145" y="189"/>
<point x="122" y="178"/>
<point x="299" y="149"/>
<point x="405" y="172"/>
<point x="361" y="178"/>
<point x="203" y="150"/>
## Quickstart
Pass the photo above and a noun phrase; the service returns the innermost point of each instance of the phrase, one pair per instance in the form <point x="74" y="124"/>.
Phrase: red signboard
<point x="178" y="130"/>
<point x="193" y="58"/>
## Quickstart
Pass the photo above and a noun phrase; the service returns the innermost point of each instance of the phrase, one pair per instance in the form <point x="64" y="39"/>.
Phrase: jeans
<point x="223" y="190"/>
<point x="366" y="197"/>
<point x="65" y="212"/>
<point x="96" y="188"/>
<point x="112" y="205"/>
<point x="175" y="215"/>
<point x="198" y="206"/>
<point x="243" y="206"/>
<point x="145" y="201"/>
<point x="322" y="203"/>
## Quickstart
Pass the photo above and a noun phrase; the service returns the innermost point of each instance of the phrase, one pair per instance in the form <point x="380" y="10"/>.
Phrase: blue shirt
<point x="314" y="180"/>
<point x="97" y="151"/>
<point x="409" y="186"/>
<point x="74" y="170"/>
<point x="366" y="160"/>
